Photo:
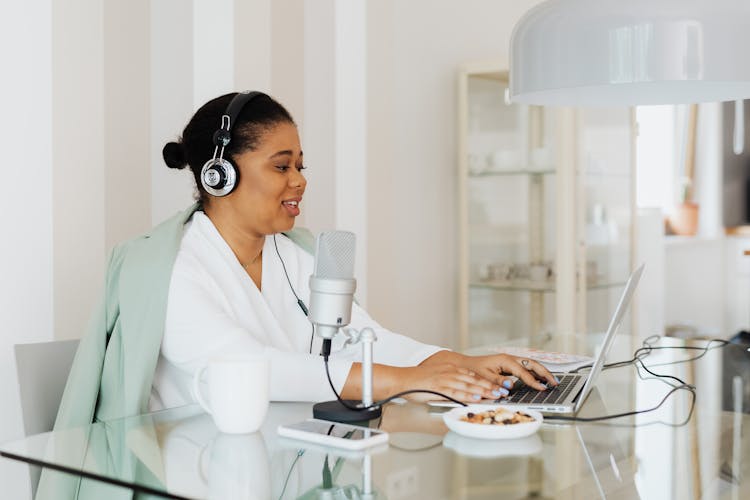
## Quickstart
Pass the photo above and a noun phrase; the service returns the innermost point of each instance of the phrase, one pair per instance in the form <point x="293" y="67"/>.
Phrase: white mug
<point x="238" y="392"/>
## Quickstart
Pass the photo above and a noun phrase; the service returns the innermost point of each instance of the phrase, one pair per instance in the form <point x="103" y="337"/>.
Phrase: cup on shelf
<point x="500" y="271"/>
<point x="540" y="272"/>
<point x="591" y="272"/>
<point x="521" y="271"/>
<point x="503" y="159"/>
<point x="477" y="164"/>
<point x="238" y="392"/>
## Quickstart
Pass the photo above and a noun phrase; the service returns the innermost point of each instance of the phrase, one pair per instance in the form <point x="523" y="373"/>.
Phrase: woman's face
<point x="271" y="184"/>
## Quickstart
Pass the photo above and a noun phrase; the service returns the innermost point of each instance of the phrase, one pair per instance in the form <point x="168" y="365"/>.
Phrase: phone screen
<point x="343" y="431"/>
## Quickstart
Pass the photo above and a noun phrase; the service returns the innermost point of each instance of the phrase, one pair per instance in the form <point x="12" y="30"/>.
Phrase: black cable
<point x="299" y="301"/>
<point x="289" y="474"/>
<point x="686" y="387"/>
<point x="327" y="347"/>
<point x="424" y="448"/>
<point x="646" y="349"/>
<point x="312" y="336"/>
<point x="637" y="360"/>
<point x="276" y="246"/>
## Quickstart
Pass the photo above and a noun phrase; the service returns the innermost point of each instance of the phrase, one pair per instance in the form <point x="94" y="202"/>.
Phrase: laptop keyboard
<point x="553" y="395"/>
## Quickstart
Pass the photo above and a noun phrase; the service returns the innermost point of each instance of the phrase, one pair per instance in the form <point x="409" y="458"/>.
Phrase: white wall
<point x="127" y="124"/>
<point x="25" y="206"/>
<point x="78" y="179"/>
<point x="695" y="284"/>
<point x="334" y="132"/>
<point x="414" y="50"/>
<point x="318" y="129"/>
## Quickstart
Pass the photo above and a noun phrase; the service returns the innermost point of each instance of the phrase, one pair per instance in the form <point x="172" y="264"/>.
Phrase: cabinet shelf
<point x="534" y="286"/>
<point x="539" y="184"/>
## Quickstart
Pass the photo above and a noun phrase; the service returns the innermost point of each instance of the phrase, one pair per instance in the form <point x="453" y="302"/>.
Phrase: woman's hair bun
<point x="174" y="155"/>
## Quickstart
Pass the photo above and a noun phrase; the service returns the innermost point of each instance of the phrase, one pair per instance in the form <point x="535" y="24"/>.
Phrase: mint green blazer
<point x="114" y="366"/>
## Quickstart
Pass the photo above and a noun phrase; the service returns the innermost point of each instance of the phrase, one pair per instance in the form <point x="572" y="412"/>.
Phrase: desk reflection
<point x="657" y="455"/>
<point x="200" y="462"/>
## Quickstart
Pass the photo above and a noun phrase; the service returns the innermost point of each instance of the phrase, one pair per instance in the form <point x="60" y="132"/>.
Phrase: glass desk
<point x="666" y="454"/>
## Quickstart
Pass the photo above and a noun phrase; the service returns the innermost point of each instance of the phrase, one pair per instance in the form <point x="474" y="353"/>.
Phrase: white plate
<point x="487" y="431"/>
<point x="493" y="448"/>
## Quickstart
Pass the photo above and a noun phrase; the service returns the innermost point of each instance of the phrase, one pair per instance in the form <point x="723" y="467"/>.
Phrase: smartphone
<point x="349" y="437"/>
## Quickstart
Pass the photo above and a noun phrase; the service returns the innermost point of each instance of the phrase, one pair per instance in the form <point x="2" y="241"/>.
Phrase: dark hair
<point x="196" y="146"/>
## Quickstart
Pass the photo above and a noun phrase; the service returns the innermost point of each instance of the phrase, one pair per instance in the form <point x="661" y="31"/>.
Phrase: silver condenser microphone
<point x="332" y="288"/>
<point x="332" y="283"/>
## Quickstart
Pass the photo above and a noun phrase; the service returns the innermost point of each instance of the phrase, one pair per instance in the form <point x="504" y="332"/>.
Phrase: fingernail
<point x="477" y="396"/>
<point x="556" y="379"/>
<point x="500" y="392"/>
<point x="507" y="384"/>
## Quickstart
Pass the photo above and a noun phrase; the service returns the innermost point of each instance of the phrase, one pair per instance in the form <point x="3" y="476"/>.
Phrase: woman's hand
<point x="496" y="367"/>
<point x="465" y="378"/>
<point x="450" y="379"/>
<point x="446" y="378"/>
<point x="499" y="369"/>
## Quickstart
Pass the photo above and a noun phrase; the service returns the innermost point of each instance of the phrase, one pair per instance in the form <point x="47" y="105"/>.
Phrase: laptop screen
<point x="614" y="324"/>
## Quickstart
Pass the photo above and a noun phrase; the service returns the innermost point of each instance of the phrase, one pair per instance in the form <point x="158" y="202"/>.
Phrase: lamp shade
<point x="631" y="52"/>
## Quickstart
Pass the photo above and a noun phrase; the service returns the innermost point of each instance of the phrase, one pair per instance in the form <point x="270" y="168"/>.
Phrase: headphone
<point x="218" y="175"/>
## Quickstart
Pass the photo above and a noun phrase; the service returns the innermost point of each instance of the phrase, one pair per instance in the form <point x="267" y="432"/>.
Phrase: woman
<point x="227" y="276"/>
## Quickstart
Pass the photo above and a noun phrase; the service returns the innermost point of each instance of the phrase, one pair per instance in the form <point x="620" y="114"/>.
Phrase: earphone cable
<point x="299" y="301"/>
<point x="283" y="266"/>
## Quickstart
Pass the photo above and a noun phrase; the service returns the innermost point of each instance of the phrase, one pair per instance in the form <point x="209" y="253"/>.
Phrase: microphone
<point x="332" y="283"/>
<point x="332" y="286"/>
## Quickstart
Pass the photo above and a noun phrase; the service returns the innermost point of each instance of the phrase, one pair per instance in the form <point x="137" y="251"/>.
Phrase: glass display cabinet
<point x="546" y="203"/>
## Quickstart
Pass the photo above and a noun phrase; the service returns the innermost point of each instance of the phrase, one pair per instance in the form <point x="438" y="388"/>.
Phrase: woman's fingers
<point x="458" y="383"/>
<point x="541" y="371"/>
<point x="496" y="368"/>
<point x="502" y="381"/>
<point x="472" y="387"/>
<point x="523" y="369"/>
<point x="489" y="377"/>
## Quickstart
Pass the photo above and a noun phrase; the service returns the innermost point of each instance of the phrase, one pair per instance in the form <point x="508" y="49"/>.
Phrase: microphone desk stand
<point x="365" y="411"/>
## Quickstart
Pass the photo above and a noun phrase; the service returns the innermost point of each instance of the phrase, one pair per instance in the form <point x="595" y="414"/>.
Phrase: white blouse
<point x="215" y="309"/>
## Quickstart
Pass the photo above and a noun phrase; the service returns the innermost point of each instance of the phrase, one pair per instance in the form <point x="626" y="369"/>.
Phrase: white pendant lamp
<point x="631" y="52"/>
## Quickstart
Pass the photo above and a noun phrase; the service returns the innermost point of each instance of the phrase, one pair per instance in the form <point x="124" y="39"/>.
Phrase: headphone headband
<point x="222" y="137"/>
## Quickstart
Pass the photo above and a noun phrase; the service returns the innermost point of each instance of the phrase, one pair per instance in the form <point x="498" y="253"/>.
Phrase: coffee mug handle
<point x="201" y="459"/>
<point x="197" y="389"/>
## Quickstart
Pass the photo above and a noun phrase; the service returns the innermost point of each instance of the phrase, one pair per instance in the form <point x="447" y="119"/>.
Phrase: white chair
<point x="43" y="369"/>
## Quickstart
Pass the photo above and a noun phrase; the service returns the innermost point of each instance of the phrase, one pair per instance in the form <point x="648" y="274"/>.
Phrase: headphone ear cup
<point x="218" y="177"/>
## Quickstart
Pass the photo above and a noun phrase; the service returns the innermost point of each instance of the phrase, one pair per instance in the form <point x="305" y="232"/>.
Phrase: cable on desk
<point x="289" y="474"/>
<point x="424" y="448"/>
<point x="647" y="348"/>
<point x="382" y="401"/>
<point x="630" y="413"/>
<point x="641" y="353"/>
<point x="638" y="362"/>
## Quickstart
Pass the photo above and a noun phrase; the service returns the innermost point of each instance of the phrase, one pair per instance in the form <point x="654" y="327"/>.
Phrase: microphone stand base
<point x="334" y="411"/>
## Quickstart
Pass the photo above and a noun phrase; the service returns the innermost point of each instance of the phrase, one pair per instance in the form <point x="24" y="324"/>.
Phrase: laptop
<point x="569" y="395"/>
